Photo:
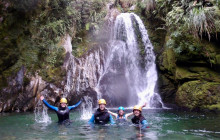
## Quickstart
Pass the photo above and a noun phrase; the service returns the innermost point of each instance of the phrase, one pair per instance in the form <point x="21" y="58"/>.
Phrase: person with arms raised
<point x="63" y="110"/>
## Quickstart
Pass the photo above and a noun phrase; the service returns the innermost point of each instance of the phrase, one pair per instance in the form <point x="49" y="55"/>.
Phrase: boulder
<point x="198" y="94"/>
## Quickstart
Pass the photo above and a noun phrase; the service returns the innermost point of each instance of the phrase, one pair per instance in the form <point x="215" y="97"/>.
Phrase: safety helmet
<point x="102" y="101"/>
<point x="121" y="108"/>
<point x="137" y="107"/>
<point x="63" y="100"/>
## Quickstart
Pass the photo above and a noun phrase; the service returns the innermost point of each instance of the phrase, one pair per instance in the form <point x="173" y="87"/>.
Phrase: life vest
<point x="101" y="117"/>
<point x="121" y="120"/>
<point x="63" y="114"/>
<point x="137" y="120"/>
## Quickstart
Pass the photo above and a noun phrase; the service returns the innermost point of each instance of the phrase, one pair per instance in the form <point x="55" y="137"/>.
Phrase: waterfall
<point x="130" y="75"/>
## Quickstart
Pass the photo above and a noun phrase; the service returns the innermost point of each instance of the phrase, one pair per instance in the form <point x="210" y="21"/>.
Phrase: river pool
<point x="164" y="124"/>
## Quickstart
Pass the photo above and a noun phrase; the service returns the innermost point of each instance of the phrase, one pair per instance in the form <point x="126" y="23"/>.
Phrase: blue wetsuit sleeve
<point x="91" y="121"/>
<point x="50" y="106"/>
<point x="111" y="120"/>
<point x="144" y="124"/>
<point x="74" y="106"/>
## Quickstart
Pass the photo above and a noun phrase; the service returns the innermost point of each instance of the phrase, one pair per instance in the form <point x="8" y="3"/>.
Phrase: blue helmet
<point x="121" y="108"/>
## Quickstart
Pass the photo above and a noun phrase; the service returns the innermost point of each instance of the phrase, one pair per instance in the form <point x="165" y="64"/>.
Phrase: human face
<point x="63" y="105"/>
<point x="136" y="112"/>
<point x="121" y="112"/>
<point x="102" y="107"/>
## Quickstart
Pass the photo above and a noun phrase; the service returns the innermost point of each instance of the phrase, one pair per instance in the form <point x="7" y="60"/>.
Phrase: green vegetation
<point x="197" y="19"/>
<point x="32" y="29"/>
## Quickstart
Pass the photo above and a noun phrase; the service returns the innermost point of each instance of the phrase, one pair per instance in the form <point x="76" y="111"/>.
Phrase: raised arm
<point x="143" y="105"/>
<point x="113" y="114"/>
<point x="128" y="115"/>
<point x="48" y="105"/>
<point x="74" y="106"/>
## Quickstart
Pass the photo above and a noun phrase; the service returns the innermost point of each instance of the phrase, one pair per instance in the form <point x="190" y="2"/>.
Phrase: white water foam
<point x="86" y="108"/>
<point x="41" y="115"/>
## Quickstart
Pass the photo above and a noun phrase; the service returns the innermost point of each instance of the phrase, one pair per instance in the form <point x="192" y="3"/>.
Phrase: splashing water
<point x="40" y="113"/>
<point x="86" y="108"/>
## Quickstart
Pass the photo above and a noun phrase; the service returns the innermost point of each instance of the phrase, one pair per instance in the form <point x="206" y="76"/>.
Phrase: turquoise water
<point x="164" y="124"/>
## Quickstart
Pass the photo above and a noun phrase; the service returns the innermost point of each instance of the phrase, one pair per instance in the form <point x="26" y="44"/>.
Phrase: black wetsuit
<point x="101" y="117"/>
<point x="140" y="120"/>
<point x="62" y="113"/>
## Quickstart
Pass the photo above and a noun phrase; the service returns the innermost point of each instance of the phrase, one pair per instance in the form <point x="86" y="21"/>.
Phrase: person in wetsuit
<point x="101" y="116"/>
<point x="63" y="110"/>
<point x="138" y="118"/>
<point x="121" y="117"/>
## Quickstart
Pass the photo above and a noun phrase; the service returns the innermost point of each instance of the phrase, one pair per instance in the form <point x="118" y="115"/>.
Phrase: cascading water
<point x="130" y="75"/>
<point x="40" y="113"/>
<point x="86" y="108"/>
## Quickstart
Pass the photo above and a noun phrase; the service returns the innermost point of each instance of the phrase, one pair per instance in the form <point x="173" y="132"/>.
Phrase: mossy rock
<point x="157" y="34"/>
<point x="187" y="48"/>
<point x="168" y="61"/>
<point x="197" y="94"/>
<point x="199" y="73"/>
<point x="217" y="57"/>
<point x="215" y="107"/>
<point x="53" y="75"/>
<point x="182" y="73"/>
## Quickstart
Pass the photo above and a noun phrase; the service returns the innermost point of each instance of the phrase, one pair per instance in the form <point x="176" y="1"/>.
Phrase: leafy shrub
<point x="200" y="21"/>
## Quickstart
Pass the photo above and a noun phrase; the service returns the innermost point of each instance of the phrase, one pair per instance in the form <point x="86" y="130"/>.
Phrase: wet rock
<point x="26" y="100"/>
<point x="66" y="43"/>
<point x="9" y="94"/>
<point x="198" y="94"/>
<point x="125" y="4"/>
<point x="167" y="89"/>
<point x="82" y="74"/>
<point x="167" y="63"/>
